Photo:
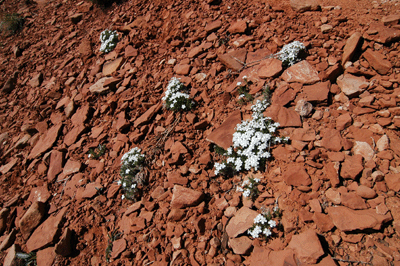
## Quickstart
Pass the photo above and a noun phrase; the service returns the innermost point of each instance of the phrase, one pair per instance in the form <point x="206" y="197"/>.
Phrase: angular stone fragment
<point x="296" y="175"/>
<point x="350" y="47"/>
<point x="99" y="87"/>
<point x="110" y="67"/>
<point x="234" y="60"/>
<point x="351" y="85"/>
<point x="63" y="247"/>
<point x="240" y="245"/>
<point x="351" y="167"/>
<point x="317" y="93"/>
<point x="393" y="181"/>
<point x="284" y="116"/>
<point x="269" y="68"/>
<point x="144" y="118"/>
<point x="332" y="140"/>
<point x="353" y="201"/>
<point x="185" y="197"/>
<point x="365" y="192"/>
<point x="31" y="218"/>
<point x="363" y="149"/>
<point x="222" y="136"/>
<point x="305" y="5"/>
<point x="307" y="247"/>
<point x="213" y="26"/>
<point x="391" y="20"/>
<point x="45" y="142"/>
<point x="46" y="233"/>
<point x="56" y="164"/>
<point x="182" y="69"/>
<point x="241" y="222"/>
<point x="347" y="220"/>
<point x="302" y="72"/>
<point x="45" y="256"/>
<point x="239" y="26"/>
<point x="377" y="61"/>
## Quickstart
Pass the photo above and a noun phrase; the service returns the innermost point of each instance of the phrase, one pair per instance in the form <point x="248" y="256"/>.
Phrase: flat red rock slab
<point x="45" y="142"/>
<point x="222" y="136"/>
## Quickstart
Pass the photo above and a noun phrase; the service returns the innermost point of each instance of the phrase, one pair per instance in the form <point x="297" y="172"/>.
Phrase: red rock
<point x="241" y="245"/>
<point x="222" y="136"/>
<point x="307" y="247"/>
<point x="63" y="247"/>
<point x="176" y="215"/>
<point x="285" y="117"/>
<point x="323" y="222"/>
<point x="72" y="135"/>
<point x="182" y="69"/>
<point x="343" y="121"/>
<point x="56" y="164"/>
<point x="213" y="26"/>
<point x="352" y="85"/>
<point x="72" y="167"/>
<point x="194" y="52"/>
<point x="383" y="143"/>
<point x="118" y="247"/>
<point x="32" y="218"/>
<point x="391" y="20"/>
<point x="11" y="257"/>
<point x="305" y="5"/>
<point x="317" y="93"/>
<point x="270" y="67"/>
<point x="283" y="95"/>
<point x="383" y="34"/>
<point x="85" y="48"/>
<point x="366" y="192"/>
<point x="264" y="256"/>
<point x="80" y="116"/>
<point x="234" y="60"/>
<point x="76" y="18"/>
<point x="121" y="122"/>
<point x="130" y="51"/>
<point x="296" y="175"/>
<point x="8" y="240"/>
<point x="36" y="81"/>
<point x="41" y="194"/>
<point x="393" y="204"/>
<point x="45" y="142"/>
<point x="99" y="87"/>
<point x="111" y="67"/>
<point x="393" y="181"/>
<point x="353" y="201"/>
<point x="185" y="197"/>
<point x="4" y="169"/>
<point x="45" y="256"/>
<point x="347" y="220"/>
<point x="331" y="140"/>
<point x="240" y="222"/>
<point x="351" y="167"/>
<point x="9" y="86"/>
<point x="333" y="196"/>
<point x="239" y="26"/>
<point x="351" y="46"/>
<point x="91" y="190"/>
<point x="377" y="61"/>
<point x="303" y="134"/>
<point x="302" y="72"/>
<point x="147" y="116"/>
<point x="46" y="233"/>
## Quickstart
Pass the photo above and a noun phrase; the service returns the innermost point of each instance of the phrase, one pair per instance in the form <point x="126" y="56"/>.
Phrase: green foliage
<point x="28" y="259"/>
<point x="132" y="173"/>
<point x="243" y="89"/>
<point x="219" y="150"/>
<point x="250" y="188"/>
<point x="98" y="152"/>
<point x="111" y="238"/>
<point x="109" y="40"/>
<point x="11" y="23"/>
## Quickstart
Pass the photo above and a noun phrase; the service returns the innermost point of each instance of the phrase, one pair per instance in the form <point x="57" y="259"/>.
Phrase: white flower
<point x="256" y="180"/>
<point x="123" y="197"/>
<point x="246" y="193"/>
<point x="239" y="83"/>
<point x="260" y="219"/>
<point x="267" y="232"/>
<point x="89" y="155"/>
<point x="240" y="96"/>
<point x="244" y="77"/>
<point x="119" y="182"/>
<point x="133" y="185"/>
<point x="290" y="52"/>
<point x="272" y="223"/>
<point x="255" y="232"/>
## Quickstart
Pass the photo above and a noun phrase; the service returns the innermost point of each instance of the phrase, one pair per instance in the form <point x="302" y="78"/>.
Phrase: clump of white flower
<point x="263" y="224"/>
<point x="249" y="188"/>
<point x="175" y="97"/>
<point x="251" y="142"/>
<point x="131" y="164"/>
<point x="109" y="40"/>
<point x="290" y="53"/>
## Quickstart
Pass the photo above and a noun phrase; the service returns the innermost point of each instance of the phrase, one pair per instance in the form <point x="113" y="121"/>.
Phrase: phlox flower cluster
<point x="131" y="164"/>
<point x="109" y="40"/>
<point x="175" y="97"/>
<point x="262" y="226"/>
<point x="289" y="54"/>
<point x="251" y="142"/>
<point x="249" y="188"/>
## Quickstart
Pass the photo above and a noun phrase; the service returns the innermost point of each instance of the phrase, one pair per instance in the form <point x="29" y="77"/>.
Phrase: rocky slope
<point x="336" y="182"/>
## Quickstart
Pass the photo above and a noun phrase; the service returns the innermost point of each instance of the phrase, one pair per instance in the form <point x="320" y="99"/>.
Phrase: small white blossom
<point x="119" y="182"/>
<point x="246" y="193"/>
<point x="267" y="232"/>
<point x="272" y="223"/>
<point x="244" y="77"/>
<point x="123" y="197"/>
<point x="239" y="83"/>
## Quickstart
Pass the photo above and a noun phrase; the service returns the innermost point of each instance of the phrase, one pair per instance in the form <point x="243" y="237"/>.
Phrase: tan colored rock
<point x="241" y="222"/>
<point x="185" y="197"/>
<point x="304" y="5"/>
<point x="366" y="192"/>
<point x="377" y="61"/>
<point x="352" y="85"/>
<point x="351" y="47"/>
<point x="347" y="220"/>
<point x="241" y="245"/>
<point x="302" y="72"/>
<point x="382" y="143"/>
<point x="296" y="175"/>
<point x="111" y="67"/>
<point x="222" y="136"/>
<point x="393" y="181"/>
<point x="307" y="247"/>
<point x="363" y="149"/>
